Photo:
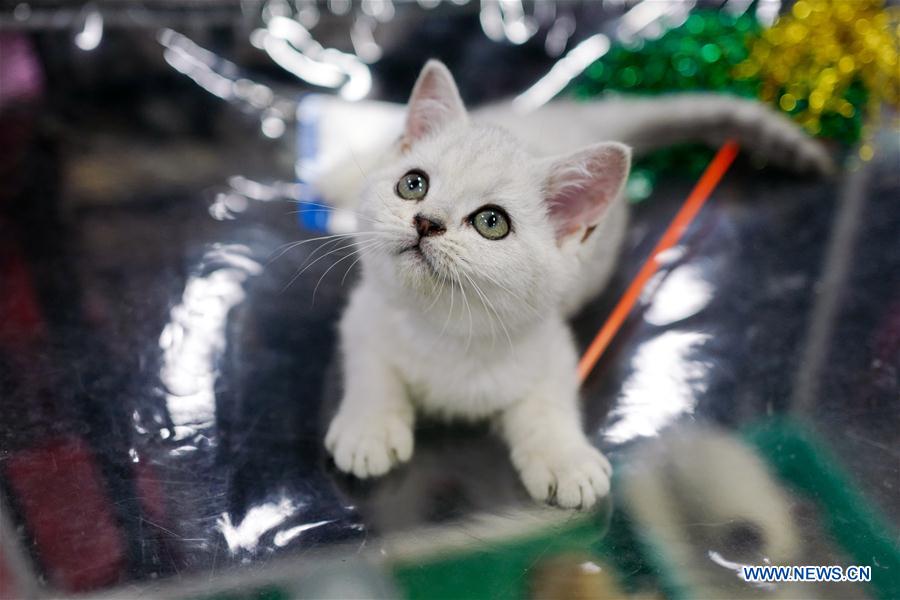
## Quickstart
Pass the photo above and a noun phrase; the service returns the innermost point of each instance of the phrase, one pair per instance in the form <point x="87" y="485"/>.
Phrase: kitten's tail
<point x="651" y="123"/>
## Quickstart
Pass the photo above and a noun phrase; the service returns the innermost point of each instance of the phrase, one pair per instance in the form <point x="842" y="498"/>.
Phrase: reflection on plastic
<point x="223" y="79"/>
<point x="683" y="294"/>
<point x="649" y="20"/>
<point x="381" y="10"/>
<point x="663" y="386"/>
<point x="562" y="73"/>
<point x="186" y="57"/>
<point x="507" y="20"/>
<point x="293" y="48"/>
<point x="283" y="538"/>
<point x="258" y="520"/>
<point x="363" y="38"/>
<point x="89" y="37"/>
<point x="194" y="338"/>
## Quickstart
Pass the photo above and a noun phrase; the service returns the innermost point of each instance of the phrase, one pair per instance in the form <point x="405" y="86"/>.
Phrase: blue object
<point x="312" y="213"/>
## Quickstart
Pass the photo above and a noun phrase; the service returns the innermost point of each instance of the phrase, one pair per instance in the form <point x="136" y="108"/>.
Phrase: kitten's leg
<point x="373" y="428"/>
<point x="554" y="458"/>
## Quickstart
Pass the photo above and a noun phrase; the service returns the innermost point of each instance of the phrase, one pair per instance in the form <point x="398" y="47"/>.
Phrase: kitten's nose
<point x="425" y="226"/>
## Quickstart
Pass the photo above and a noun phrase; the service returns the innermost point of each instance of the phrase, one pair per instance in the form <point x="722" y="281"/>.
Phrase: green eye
<point x="491" y="222"/>
<point x="413" y="185"/>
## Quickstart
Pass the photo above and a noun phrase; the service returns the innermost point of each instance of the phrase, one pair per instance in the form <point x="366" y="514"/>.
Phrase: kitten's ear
<point x="580" y="186"/>
<point x="434" y="102"/>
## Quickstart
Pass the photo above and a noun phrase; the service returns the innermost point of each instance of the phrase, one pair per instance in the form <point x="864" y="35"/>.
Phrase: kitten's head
<point x="464" y="210"/>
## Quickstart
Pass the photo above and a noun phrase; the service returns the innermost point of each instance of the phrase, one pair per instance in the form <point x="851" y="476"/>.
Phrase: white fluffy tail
<point x="651" y="123"/>
<point x="713" y="118"/>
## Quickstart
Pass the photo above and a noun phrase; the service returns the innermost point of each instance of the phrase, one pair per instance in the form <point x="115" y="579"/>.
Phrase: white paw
<point x="369" y="446"/>
<point x="573" y="477"/>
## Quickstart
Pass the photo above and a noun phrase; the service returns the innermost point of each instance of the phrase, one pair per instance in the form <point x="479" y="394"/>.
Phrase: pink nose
<point x="426" y="227"/>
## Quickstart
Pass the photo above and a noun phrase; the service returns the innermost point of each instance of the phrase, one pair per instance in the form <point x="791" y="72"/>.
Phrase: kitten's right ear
<point x="434" y="103"/>
<point x="579" y="187"/>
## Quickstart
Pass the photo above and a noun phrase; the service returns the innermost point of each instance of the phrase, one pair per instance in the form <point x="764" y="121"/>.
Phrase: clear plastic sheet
<point x="165" y="379"/>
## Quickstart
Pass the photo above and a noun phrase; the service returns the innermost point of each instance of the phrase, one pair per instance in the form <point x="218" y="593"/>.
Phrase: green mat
<point x="500" y="569"/>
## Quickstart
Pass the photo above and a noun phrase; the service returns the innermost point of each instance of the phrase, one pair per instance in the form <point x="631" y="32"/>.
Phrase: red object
<point x="692" y="205"/>
<point x="60" y="491"/>
<point x="20" y="316"/>
<point x="150" y="491"/>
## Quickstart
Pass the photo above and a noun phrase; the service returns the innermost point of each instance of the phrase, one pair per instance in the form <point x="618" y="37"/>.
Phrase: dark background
<point x="118" y="263"/>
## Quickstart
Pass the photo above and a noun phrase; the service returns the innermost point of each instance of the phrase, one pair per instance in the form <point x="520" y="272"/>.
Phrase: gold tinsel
<point x="808" y="60"/>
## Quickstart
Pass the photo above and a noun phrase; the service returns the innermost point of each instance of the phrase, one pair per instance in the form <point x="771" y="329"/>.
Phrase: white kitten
<point x="475" y="253"/>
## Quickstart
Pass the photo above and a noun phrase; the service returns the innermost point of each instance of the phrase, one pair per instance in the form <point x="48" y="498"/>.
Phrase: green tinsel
<point x="701" y="54"/>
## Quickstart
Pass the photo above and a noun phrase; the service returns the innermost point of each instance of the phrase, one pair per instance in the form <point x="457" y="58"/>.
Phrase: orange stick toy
<point x="692" y="205"/>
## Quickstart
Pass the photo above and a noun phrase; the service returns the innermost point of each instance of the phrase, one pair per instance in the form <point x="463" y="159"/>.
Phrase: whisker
<point x="291" y="245"/>
<point x="438" y="293"/>
<point x="499" y="317"/>
<point x="329" y="253"/>
<point x="518" y="298"/>
<point x="347" y="272"/>
<point x="369" y="245"/>
<point x="329" y="207"/>
<point x="321" y="247"/>
<point x="468" y="308"/>
<point x="480" y="295"/>
<point x="449" y="312"/>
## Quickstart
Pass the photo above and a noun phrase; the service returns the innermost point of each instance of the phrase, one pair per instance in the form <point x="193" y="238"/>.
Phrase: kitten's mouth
<point x="413" y="248"/>
<point x="419" y="255"/>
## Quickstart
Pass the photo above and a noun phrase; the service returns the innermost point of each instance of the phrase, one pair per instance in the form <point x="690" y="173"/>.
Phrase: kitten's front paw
<point x="371" y="446"/>
<point x="573" y="477"/>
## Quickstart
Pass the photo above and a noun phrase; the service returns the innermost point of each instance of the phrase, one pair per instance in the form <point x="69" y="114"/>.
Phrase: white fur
<point x="472" y="328"/>
<point x="643" y="123"/>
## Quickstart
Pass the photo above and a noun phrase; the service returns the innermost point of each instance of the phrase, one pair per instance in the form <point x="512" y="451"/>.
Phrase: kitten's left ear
<point x="434" y="103"/>
<point x="580" y="186"/>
